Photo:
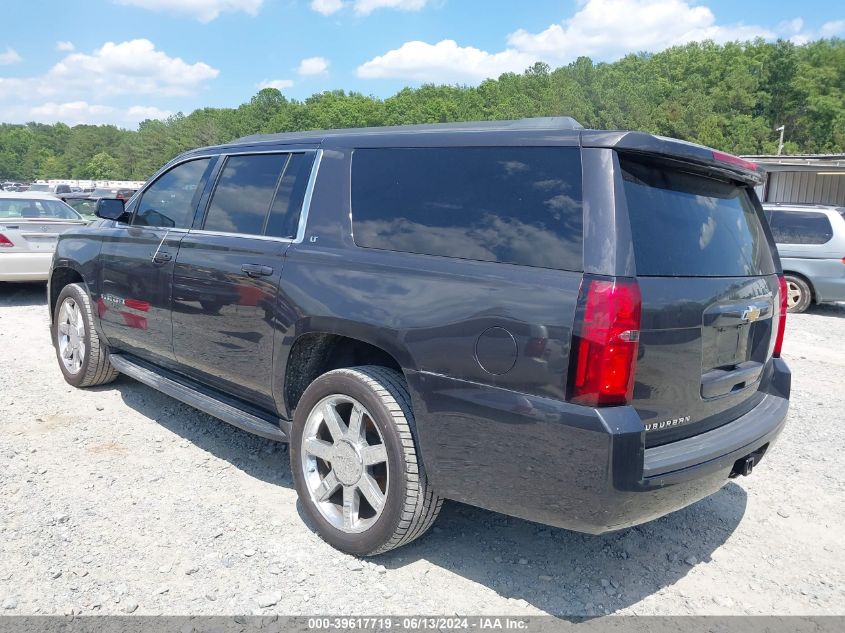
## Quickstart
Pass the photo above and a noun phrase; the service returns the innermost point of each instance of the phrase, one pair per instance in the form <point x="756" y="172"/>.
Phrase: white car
<point x="30" y="223"/>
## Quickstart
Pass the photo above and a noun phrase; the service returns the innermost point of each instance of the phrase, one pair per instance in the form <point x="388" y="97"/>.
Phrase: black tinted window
<point x="686" y="225"/>
<point x="171" y="200"/>
<point x="242" y="197"/>
<point x="800" y="227"/>
<point x="520" y="205"/>
<point x="287" y="206"/>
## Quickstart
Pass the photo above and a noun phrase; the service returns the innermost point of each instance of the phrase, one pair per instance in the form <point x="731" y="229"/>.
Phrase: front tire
<point x="83" y="357"/>
<point x="798" y="294"/>
<point x="355" y="462"/>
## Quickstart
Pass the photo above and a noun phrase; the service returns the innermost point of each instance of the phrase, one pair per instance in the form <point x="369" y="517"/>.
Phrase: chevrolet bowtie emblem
<point x="751" y="314"/>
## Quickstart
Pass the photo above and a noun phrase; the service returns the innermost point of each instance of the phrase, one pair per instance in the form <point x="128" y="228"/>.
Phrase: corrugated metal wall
<point x="807" y="187"/>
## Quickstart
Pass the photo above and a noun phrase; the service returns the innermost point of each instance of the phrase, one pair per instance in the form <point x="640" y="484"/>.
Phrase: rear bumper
<point x="573" y="467"/>
<point x="25" y="266"/>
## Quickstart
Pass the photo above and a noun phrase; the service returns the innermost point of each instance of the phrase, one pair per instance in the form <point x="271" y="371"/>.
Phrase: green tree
<point x="103" y="166"/>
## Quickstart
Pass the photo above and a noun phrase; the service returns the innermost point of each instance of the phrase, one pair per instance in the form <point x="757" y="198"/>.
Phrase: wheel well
<point x="314" y="354"/>
<point x="61" y="278"/>
<point x="806" y="281"/>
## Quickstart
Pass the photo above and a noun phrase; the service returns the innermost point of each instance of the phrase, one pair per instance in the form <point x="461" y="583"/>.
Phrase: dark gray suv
<point x="581" y="328"/>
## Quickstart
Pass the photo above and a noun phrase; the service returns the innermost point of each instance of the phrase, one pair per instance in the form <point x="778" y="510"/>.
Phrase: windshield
<point x="39" y="187"/>
<point x="688" y="225"/>
<point x="104" y="193"/>
<point x="21" y="208"/>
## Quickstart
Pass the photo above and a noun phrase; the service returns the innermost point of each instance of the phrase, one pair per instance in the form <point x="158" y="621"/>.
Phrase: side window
<point x="800" y="227"/>
<point x="287" y="206"/>
<point x="171" y="200"/>
<point x="241" y="200"/>
<point x="520" y="205"/>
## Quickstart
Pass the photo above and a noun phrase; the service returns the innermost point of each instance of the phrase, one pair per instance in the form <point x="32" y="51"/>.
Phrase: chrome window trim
<point x="249" y="236"/>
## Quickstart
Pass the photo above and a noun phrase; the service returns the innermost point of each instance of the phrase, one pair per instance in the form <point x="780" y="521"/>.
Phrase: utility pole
<point x="780" y="144"/>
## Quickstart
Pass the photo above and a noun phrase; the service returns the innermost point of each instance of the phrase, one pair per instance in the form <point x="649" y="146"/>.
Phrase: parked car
<point x="811" y="241"/>
<point x="30" y="223"/>
<point x="56" y="189"/>
<point x="581" y="328"/>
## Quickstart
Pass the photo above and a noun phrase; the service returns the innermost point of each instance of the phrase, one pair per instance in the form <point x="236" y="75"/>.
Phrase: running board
<point x="206" y="403"/>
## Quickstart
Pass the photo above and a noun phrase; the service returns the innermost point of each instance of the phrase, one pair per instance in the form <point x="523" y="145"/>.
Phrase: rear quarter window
<point x="689" y="225"/>
<point x="520" y="205"/>
<point x="800" y="227"/>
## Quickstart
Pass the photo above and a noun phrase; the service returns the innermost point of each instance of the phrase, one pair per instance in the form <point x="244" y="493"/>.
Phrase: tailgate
<point x="38" y="236"/>
<point x="709" y="294"/>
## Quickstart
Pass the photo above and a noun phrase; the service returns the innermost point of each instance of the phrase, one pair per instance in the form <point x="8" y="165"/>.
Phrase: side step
<point x="206" y="403"/>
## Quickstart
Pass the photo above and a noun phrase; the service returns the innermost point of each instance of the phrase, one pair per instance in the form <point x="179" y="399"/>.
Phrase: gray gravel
<point x="122" y="500"/>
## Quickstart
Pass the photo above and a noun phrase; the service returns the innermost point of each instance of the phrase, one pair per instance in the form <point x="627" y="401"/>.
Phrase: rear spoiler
<point x="728" y="165"/>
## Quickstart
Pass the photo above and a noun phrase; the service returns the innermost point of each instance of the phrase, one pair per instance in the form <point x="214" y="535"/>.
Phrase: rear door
<point x="227" y="273"/>
<point x="709" y="290"/>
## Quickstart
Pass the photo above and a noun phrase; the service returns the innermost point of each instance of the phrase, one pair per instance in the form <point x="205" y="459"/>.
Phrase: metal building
<point x="813" y="178"/>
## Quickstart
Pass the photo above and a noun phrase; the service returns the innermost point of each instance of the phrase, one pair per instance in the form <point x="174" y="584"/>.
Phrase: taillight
<point x="722" y="157"/>
<point x="781" y="316"/>
<point x="5" y="242"/>
<point x="605" y="342"/>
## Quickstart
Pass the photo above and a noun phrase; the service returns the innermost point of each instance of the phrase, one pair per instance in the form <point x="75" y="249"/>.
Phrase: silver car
<point x="811" y="243"/>
<point x="30" y="222"/>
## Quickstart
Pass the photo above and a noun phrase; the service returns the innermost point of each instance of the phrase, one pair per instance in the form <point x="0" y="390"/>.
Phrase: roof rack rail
<point x="536" y="123"/>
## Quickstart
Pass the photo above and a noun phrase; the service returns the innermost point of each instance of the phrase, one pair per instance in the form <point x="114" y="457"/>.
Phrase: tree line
<point x="729" y="96"/>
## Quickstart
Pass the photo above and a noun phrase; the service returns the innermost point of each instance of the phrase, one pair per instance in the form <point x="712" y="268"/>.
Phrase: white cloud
<point x="79" y="112"/>
<point x="133" y="67"/>
<point x="278" y="84"/>
<point x="65" y="47"/>
<point x="444" y="61"/>
<point x="326" y="7"/>
<point x="202" y="10"/>
<point x="365" y="7"/>
<point x="9" y="57"/>
<point x="602" y="29"/>
<point x="608" y="29"/>
<point x="313" y="66"/>
<point x="796" y="33"/>
<point x="835" y="27"/>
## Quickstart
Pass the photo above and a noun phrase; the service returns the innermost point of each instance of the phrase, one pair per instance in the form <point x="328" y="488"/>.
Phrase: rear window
<point x="520" y="205"/>
<point x="687" y="225"/>
<point x="22" y="209"/>
<point x="800" y="227"/>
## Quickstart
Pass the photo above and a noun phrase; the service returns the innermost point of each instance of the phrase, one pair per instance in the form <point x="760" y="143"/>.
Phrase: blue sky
<point x="120" y="61"/>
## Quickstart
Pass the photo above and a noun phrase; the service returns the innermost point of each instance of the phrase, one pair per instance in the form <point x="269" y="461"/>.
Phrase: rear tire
<point x="83" y="357"/>
<point x="798" y="294"/>
<point x="355" y="462"/>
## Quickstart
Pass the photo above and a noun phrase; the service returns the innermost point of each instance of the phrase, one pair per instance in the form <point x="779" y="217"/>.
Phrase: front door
<point x="227" y="272"/>
<point x="138" y="260"/>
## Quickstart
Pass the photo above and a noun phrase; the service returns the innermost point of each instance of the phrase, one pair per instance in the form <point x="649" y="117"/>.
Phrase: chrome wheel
<point x="793" y="294"/>
<point x="345" y="463"/>
<point x="71" y="335"/>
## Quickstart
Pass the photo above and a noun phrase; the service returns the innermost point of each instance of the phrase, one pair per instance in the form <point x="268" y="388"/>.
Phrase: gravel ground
<point x="121" y="500"/>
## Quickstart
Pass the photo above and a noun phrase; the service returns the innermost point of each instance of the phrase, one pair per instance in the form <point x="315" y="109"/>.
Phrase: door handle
<point x="161" y="257"/>
<point x="257" y="270"/>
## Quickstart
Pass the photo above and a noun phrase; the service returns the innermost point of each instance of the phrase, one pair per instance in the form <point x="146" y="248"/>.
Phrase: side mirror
<point x="111" y="209"/>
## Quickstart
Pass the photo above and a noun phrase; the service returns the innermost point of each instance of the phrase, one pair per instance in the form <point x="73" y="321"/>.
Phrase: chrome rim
<point x="344" y="463"/>
<point x="71" y="335"/>
<point x="793" y="294"/>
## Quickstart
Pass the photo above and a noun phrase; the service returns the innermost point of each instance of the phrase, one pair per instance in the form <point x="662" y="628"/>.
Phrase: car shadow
<point x="18" y="295"/>
<point x="563" y="573"/>
<point x="572" y="575"/>
<point x="828" y="309"/>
